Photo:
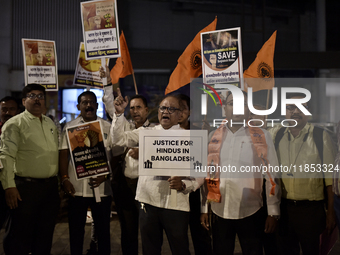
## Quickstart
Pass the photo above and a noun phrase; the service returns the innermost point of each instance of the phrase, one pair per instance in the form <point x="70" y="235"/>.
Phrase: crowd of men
<point x="271" y="213"/>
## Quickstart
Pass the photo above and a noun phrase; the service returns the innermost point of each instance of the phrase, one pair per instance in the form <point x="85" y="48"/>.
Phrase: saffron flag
<point x="262" y="68"/>
<point x="123" y="66"/>
<point x="189" y="63"/>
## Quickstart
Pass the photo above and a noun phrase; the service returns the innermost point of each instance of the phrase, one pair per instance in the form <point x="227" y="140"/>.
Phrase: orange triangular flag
<point x="123" y="66"/>
<point x="189" y="63"/>
<point x="262" y="68"/>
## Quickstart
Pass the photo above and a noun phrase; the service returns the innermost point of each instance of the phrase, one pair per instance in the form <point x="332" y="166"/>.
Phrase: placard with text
<point x="40" y="63"/>
<point x="171" y="152"/>
<point x="87" y="150"/>
<point x="222" y="56"/>
<point x="88" y="71"/>
<point x="100" y="29"/>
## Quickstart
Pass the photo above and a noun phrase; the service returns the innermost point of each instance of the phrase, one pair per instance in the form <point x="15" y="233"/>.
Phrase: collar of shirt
<point x="241" y="129"/>
<point x="32" y="117"/>
<point x="174" y="127"/>
<point x="81" y="120"/>
<point x="145" y="125"/>
<point x="302" y="132"/>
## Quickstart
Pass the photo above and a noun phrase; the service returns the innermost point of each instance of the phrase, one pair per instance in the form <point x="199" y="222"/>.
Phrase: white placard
<point x="100" y="29"/>
<point x="40" y="63"/>
<point x="171" y="152"/>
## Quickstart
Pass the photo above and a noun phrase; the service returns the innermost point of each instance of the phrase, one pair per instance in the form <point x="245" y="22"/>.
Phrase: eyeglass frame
<point x="173" y="109"/>
<point x="34" y="96"/>
<point x="293" y="107"/>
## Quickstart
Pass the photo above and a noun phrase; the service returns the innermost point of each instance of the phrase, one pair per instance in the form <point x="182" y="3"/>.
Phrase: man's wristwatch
<point x="64" y="178"/>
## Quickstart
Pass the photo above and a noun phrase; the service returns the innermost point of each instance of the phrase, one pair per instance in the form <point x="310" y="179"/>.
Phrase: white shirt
<point x="82" y="187"/>
<point x="153" y="190"/>
<point x="131" y="164"/>
<point x="242" y="194"/>
<point x="108" y="100"/>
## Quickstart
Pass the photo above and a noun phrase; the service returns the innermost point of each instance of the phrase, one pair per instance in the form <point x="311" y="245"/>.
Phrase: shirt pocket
<point x="246" y="153"/>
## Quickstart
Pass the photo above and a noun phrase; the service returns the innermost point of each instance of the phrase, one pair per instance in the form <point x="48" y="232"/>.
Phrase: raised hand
<point x="120" y="102"/>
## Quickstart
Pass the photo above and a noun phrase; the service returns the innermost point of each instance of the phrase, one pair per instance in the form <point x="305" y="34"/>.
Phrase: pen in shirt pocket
<point x="52" y="131"/>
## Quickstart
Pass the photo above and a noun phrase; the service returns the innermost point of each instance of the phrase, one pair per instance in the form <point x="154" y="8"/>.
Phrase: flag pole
<point x="267" y="104"/>
<point x="134" y="82"/>
<point x="268" y="93"/>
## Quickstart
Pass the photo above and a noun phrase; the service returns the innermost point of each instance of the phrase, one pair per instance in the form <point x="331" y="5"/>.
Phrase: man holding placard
<point x="81" y="190"/>
<point x="157" y="212"/>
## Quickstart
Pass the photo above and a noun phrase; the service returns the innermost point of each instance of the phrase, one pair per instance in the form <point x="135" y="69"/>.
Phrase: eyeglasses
<point x="34" y="96"/>
<point x="171" y="110"/>
<point x="292" y="107"/>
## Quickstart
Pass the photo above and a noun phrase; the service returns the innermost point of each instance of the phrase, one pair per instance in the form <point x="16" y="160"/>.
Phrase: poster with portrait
<point x="100" y="29"/>
<point x="222" y="56"/>
<point x="40" y="63"/>
<point x="88" y="71"/>
<point x="87" y="150"/>
<point x="172" y="152"/>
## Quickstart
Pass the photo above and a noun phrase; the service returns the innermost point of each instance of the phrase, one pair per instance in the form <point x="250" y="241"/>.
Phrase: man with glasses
<point x="153" y="192"/>
<point x="29" y="155"/>
<point x="81" y="191"/>
<point x="303" y="216"/>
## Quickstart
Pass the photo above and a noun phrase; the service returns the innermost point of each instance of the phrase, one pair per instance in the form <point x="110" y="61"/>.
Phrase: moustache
<point x="89" y="109"/>
<point x="37" y="103"/>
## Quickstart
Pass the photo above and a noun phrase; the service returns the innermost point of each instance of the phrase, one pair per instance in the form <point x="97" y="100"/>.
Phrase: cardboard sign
<point x="100" y="29"/>
<point x="222" y="56"/>
<point x="40" y="63"/>
<point x="172" y="152"/>
<point x="88" y="71"/>
<point x="87" y="150"/>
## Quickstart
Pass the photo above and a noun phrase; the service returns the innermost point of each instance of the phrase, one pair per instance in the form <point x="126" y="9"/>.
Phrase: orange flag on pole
<point x="123" y="66"/>
<point x="262" y="68"/>
<point x="189" y="63"/>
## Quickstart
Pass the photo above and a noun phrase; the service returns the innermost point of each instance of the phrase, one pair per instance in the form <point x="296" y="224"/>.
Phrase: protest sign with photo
<point x="40" y="63"/>
<point x="100" y="29"/>
<point x="222" y="56"/>
<point x="172" y="153"/>
<point x="87" y="150"/>
<point x="87" y="71"/>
